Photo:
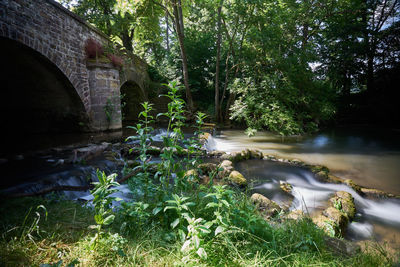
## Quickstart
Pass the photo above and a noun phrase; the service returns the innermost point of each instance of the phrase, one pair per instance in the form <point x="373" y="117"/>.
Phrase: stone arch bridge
<point x="47" y="84"/>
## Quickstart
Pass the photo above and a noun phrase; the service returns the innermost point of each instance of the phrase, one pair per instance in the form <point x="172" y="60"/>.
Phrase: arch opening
<point x="131" y="98"/>
<point x="36" y="98"/>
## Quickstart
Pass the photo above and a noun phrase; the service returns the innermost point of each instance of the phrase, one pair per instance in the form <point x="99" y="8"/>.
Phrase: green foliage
<point x="169" y="164"/>
<point x="110" y="108"/>
<point x="102" y="201"/>
<point x="143" y="131"/>
<point x="194" y="144"/>
<point x="181" y="224"/>
<point x="135" y="215"/>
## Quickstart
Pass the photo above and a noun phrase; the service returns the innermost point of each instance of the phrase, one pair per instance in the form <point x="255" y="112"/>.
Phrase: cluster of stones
<point x="335" y="219"/>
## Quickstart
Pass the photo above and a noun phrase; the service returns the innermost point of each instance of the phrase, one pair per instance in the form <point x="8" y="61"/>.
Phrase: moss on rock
<point x="266" y="206"/>
<point x="344" y="201"/>
<point x="236" y="177"/>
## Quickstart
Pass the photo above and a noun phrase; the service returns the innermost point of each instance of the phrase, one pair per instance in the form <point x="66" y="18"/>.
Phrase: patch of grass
<point x="66" y="236"/>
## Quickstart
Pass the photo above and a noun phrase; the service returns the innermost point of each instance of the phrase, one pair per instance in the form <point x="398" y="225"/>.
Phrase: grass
<point x="66" y="234"/>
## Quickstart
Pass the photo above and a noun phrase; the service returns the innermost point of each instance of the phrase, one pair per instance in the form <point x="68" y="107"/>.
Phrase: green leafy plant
<point x="194" y="144"/>
<point x="197" y="229"/>
<point x="176" y="108"/>
<point x="135" y="215"/>
<point x="109" y="110"/>
<point x="143" y="131"/>
<point x="103" y="201"/>
<point x="181" y="207"/>
<point x="337" y="204"/>
<point x="221" y="204"/>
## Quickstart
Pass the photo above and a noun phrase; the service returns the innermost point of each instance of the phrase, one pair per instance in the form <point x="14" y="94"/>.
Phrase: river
<point x="370" y="157"/>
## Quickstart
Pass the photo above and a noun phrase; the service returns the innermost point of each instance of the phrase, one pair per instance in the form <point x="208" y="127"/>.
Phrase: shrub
<point x="93" y="49"/>
<point x="116" y="60"/>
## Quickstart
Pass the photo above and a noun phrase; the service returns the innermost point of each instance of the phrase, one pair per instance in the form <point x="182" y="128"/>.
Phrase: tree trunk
<point x="217" y="63"/>
<point x="221" y="119"/>
<point x="179" y="29"/>
<point x="127" y="40"/>
<point x="231" y="98"/>
<point x="167" y="30"/>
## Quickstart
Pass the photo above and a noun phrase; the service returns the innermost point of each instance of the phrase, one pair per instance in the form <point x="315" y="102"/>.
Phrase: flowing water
<point x="371" y="159"/>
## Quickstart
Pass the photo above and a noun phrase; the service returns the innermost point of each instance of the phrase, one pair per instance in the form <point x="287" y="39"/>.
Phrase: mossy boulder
<point x="216" y="153"/>
<point x="237" y="156"/>
<point x="204" y="137"/>
<point x="225" y="169"/>
<point x="207" y="168"/>
<point x="344" y="202"/>
<point x="353" y="185"/>
<point x="270" y="157"/>
<point x="245" y="154"/>
<point x="334" y="219"/>
<point x="266" y="206"/>
<point x="297" y="162"/>
<point x="337" y="217"/>
<point x="326" y="177"/>
<point x="192" y="175"/>
<point x="325" y="224"/>
<point x="342" y="247"/>
<point x="322" y="176"/>
<point x="256" y="154"/>
<point x="375" y="193"/>
<point x="334" y="179"/>
<point x="286" y="187"/>
<point x="237" y="178"/>
<point x="226" y="164"/>
<point x="295" y="215"/>
<point x="226" y="156"/>
<point x="319" y="168"/>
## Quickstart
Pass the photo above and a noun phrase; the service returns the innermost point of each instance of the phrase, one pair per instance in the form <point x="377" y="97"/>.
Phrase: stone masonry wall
<point x="60" y="36"/>
<point x="104" y="96"/>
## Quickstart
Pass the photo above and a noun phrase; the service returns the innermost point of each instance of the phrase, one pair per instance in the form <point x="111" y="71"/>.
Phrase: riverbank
<point x="251" y="240"/>
<point x="65" y="235"/>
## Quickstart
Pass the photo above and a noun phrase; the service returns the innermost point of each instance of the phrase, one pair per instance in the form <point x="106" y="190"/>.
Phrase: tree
<point x="124" y="21"/>
<point x="217" y="72"/>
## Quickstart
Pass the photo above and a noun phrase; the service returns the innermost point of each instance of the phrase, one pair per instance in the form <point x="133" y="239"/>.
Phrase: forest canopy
<point x="288" y="66"/>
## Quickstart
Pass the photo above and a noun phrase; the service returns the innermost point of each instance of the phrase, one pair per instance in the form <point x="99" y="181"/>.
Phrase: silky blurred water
<point x="370" y="157"/>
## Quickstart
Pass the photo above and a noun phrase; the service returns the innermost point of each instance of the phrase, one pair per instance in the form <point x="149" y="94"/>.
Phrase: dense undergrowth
<point x="175" y="219"/>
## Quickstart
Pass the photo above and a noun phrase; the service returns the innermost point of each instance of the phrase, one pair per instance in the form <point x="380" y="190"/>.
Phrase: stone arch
<point x="36" y="96"/>
<point x="55" y="33"/>
<point x="131" y="101"/>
